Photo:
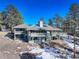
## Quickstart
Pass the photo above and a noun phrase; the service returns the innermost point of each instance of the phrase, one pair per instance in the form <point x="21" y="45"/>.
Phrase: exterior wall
<point x="32" y="35"/>
<point x="18" y="30"/>
<point x="55" y="33"/>
<point x="36" y="35"/>
<point x="18" y="33"/>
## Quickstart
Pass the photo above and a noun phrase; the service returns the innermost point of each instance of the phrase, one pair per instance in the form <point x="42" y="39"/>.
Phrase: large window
<point x="57" y="31"/>
<point x="38" y="31"/>
<point x="20" y="29"/>
<point x="20" y="36"/>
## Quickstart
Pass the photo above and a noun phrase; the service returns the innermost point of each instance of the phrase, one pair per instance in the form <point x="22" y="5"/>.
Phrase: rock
<point x="27" y="56"/>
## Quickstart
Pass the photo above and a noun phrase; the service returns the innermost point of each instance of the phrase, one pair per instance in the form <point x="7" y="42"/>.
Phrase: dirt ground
<point x="10" y="49"/>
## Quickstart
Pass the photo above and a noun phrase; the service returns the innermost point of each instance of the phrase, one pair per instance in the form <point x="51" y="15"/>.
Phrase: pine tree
<point x="72" y="21"/>
<point x="58" y="20"/>
<point x="73" y="17"/>
<point x="1" y="22"/>
<point x="12" y="17"/>
<point x="50" y="22"/>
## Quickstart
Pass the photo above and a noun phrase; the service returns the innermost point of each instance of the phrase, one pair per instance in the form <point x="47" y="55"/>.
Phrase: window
<point x="20" y="29"/>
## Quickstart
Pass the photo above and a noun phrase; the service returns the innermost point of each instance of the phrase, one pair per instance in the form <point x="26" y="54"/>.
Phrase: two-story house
<point x="40" y="32"/>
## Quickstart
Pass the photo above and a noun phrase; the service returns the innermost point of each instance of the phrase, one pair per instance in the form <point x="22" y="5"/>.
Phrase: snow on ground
<point x="55" y="52"/>
<point x="50" y="53"/>
<point x="42" y="53"/>
<point x="70" y="42"/>
<point x="36" y="50"/>
<point x="45" y="55"/>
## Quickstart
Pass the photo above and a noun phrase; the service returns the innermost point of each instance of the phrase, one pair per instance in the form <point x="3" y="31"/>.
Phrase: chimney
<point x="41" y="23"/>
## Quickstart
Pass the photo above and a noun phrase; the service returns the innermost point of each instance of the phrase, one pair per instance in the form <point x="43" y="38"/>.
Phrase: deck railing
<point x="38" y="34"/>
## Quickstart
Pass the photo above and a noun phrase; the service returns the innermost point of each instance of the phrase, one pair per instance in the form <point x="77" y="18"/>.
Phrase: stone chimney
<point x="41" y="23"/>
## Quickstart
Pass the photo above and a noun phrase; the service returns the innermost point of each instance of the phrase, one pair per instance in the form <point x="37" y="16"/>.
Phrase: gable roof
<point x="21" y="26"/>
<point x="36" y="27"/>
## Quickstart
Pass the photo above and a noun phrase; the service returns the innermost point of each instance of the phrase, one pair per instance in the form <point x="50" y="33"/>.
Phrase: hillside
<point x="53" y="49"/>
<point x="10" y="49"/>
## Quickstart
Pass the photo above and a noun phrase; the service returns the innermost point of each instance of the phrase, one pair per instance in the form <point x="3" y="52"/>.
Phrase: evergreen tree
<point x="50" y="22"/>
<point x="1" y="22"/>
<point x="72" y="21"/>
<point x="12" y="17"/>
<point x="58" y="21"/>
<point x="72" y="17"/>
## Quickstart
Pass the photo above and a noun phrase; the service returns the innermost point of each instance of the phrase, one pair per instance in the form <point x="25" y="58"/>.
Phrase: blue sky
<point x="33" y="10"/>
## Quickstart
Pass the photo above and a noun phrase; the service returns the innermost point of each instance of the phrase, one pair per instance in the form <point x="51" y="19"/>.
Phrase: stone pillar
<point x="14" y="34"/>
<point x="14" y="37"/>
<point x="29" y="35"/>
<point x="48" y="35"/>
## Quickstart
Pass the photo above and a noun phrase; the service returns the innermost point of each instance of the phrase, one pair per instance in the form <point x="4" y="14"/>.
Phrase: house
<point x="39" y="32"/>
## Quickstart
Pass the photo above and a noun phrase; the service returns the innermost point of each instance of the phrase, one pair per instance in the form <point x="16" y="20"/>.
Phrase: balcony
<point x="18" y="32"/>
<point x="38" y="34"/>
